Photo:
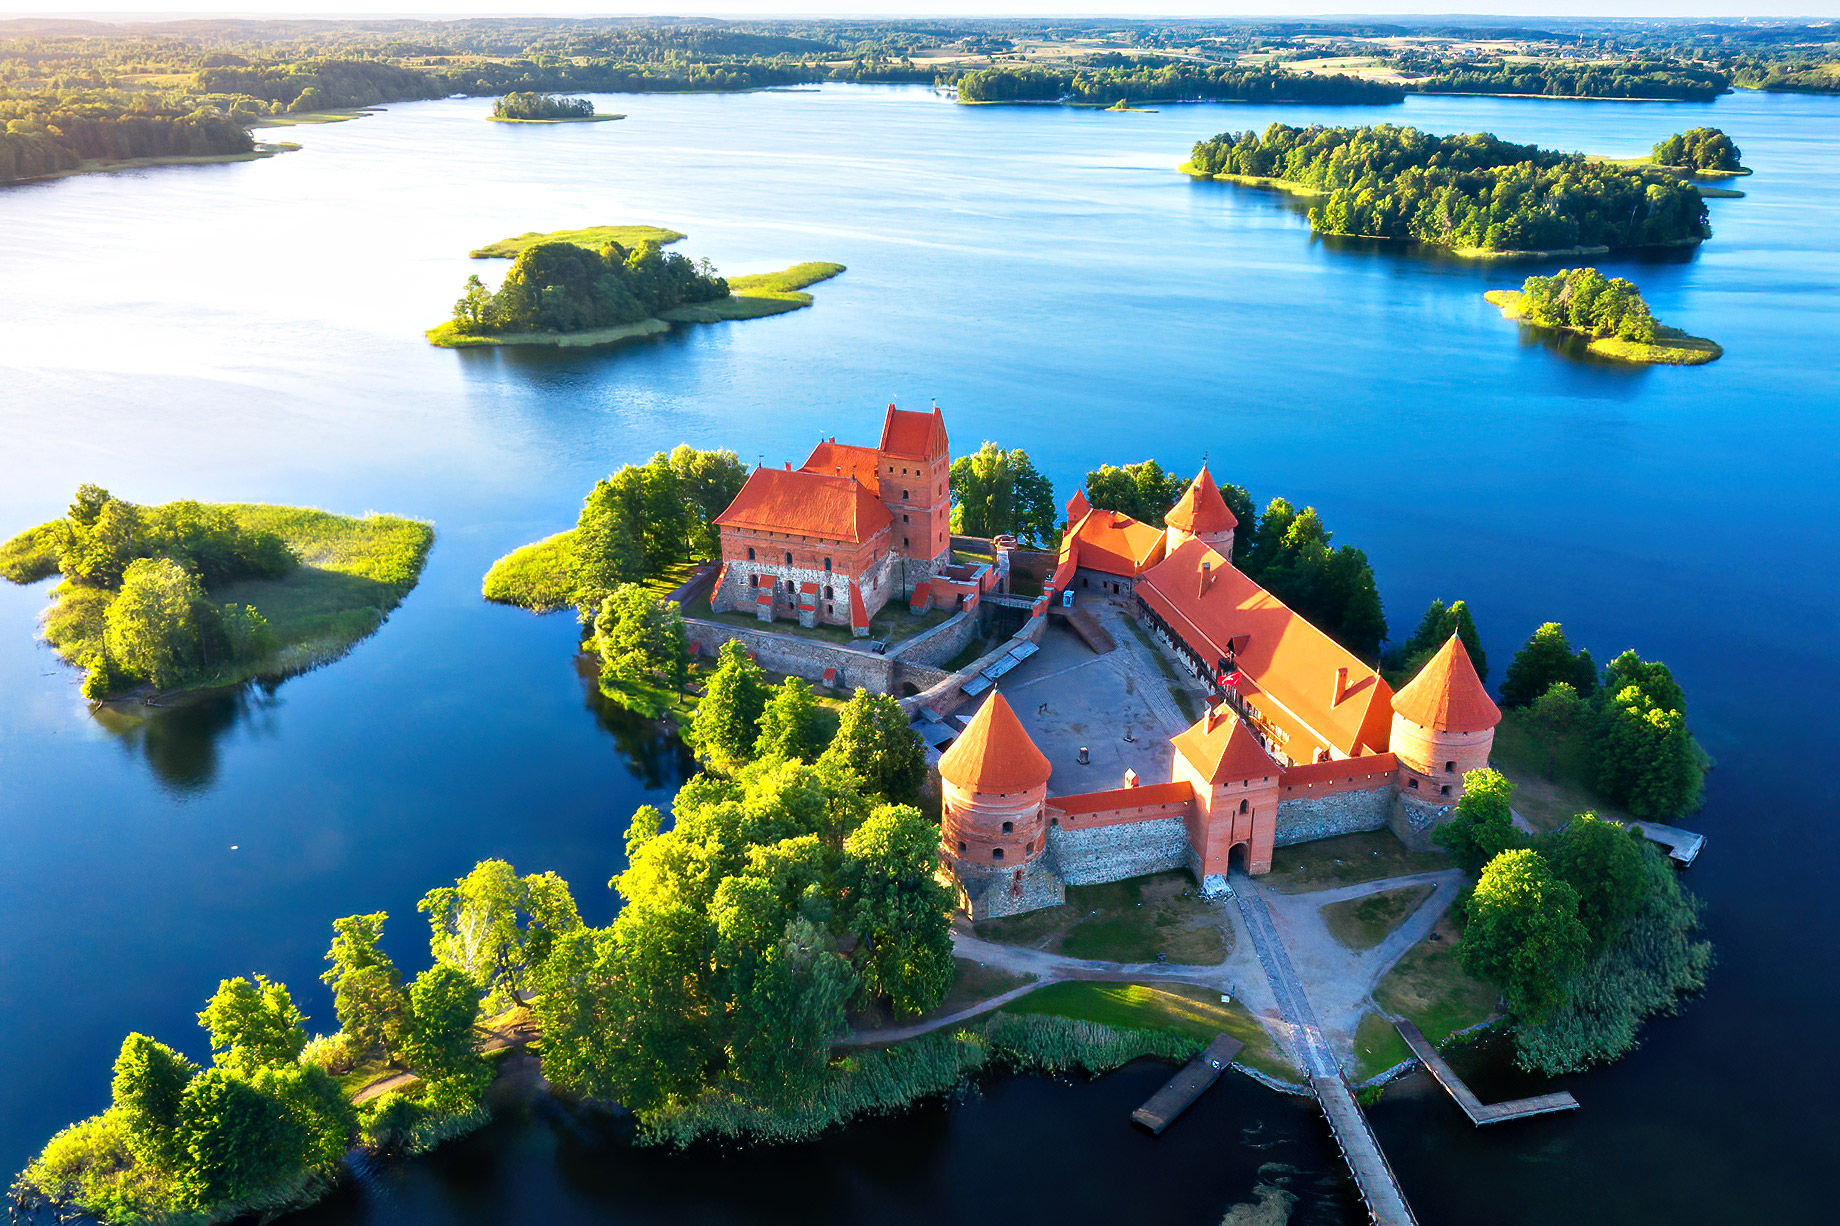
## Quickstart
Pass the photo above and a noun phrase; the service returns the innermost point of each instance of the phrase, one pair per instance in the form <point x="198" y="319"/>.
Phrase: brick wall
<point x="1117" y="851"/>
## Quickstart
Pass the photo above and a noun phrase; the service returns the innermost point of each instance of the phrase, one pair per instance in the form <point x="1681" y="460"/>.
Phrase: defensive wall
<point x="1323" y="799"/>
<point x="1127" y="832"/>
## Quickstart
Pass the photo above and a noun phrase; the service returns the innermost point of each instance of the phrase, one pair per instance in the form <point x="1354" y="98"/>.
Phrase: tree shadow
<point x="178" y="735"/>
<point x="654" y="754"/>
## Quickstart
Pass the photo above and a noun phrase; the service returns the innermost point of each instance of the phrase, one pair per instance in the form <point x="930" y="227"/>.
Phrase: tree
<point x="877" y="742"/>
<point x="996" y="492"/>
<point x="1545" y="658"/>
<point x="441" y="1046"/>
<point x="726" y="725"/>
<point x="899" y="909"/>
<point x="1333" y="589"/>
<point x="151" y="629"/>
<point x="1603" y="863"/>
<point x="1434" y="630"/>
<point x="792" y="1009"/>
<point x="1521" y="931"/>
<point x="102" y="536"/>
<point x="793" y="725"/>
<point x="1645" y="757"/>
<point x="238" y="1141"/>
<point x="640" y="638"/>
<point x="1239" y="501"/>
<point x="708" y="481"/>
<point x="475" y="928"/>
<point x="608" y="549"/>
<point x="1554" y="717"/>
<point x="1483" y="825"/>
<point x="253" y="1025"/>
<point x="150" y="1080"/>
<point x="322" y="1120"/>
<point x="470" y="310"/>
<point x="1143" y="491"/>
<point x="1653" y="678"/>
<point x="366" y="987"/>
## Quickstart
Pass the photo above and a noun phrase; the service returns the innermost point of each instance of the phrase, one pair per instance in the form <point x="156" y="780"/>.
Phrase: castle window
<point x="904" y="542"/>
<point x="903" y="517"/>
<point x="829" y="594"/>
<point x="1009" y="827"/>
<point x="750" y="553"/>
<point x="1412" y="784"/>
<point x="1444" y="791"/>
<point x="1244" y="807"/>
<point x="1450" y="768"/>
<point x="961" y="847"/>
<point x="903" y="495"/>
<point x="1054" y="821"/>
<point x="827" y="564"/>
<point x="753" y="580"/>
<point x="996" y="853"/>
<point x="789" y="557"/>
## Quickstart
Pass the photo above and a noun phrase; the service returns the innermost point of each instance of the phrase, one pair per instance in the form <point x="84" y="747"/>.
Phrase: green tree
<point x="238" y="1141"/>
<point x="726" y="725"/>
<point x="102" y="536"/>
<point x="151" y="630"/>
<point x="496" y="927"/>
<point x="322" y="1120"/>
<point x="441" y="1044"/>
<point x="253" y="1025"/>
<point x="1434" y="630"/>
<point x="1239" y="501"/>
<point x="1143" y="491"/>
<point x="150" y="1080"/>
<point x="1645" y="757"/>
<point x="707" y="481"/>
<point x="899" y="909"/>
<point x="608" y="549"/>
<point x="640" y="638"/>
<point x="366" y="987"/>
<point x="1521" y="931"/>
<point x="1653" y="678"/>
<point x="1483" y="825"/>
<point x="1603" y="863"/>
<point x="876" y="741"/>
<point x="1545" y="658"/>
<point x="997" y="492"/>
<point x="793" y="725"/>
<point x="470" y="310"/>
<point x="784" y="1022"/>
<point x="1554" y="718"/>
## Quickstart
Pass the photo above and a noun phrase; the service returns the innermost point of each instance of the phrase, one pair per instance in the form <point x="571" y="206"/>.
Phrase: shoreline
<point x="1672" y="346"/>
<point x="91" y="166"/>
<point x="597" y="117"/>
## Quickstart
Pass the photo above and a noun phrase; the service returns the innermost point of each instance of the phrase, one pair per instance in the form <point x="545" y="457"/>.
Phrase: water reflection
<point x="179" y="737"/>
<point x="656" y="756"/>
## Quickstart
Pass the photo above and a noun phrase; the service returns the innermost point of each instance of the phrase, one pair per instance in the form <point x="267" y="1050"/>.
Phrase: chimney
<point x="1341" y="687"/>
<point x="1215" y="715"/>
<point x="1207" y="577"/>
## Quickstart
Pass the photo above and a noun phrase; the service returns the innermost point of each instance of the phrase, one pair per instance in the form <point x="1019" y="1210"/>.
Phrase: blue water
<point x="252" y="332"/>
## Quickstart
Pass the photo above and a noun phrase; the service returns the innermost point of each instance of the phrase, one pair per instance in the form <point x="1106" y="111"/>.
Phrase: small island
<point x="192" y="595"/>
<point x="604" y="284"/>
<point x="1609" y="311"/>
<point x="546" y="108"/>
<point x="1472" y="195"/>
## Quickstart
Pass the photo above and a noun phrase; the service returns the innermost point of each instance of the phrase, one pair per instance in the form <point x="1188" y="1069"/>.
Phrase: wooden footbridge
<point x="1188" y="1085"/>
<point x="1479" y="1112"/>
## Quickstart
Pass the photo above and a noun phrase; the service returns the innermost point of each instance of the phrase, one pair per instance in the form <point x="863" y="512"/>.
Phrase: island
<point x="605" y="284"/>
<point x="1608" y="311"/>
<point x="546" y="108"/>
<point x="190" y="595"/>
<point x="1469" y="195"/>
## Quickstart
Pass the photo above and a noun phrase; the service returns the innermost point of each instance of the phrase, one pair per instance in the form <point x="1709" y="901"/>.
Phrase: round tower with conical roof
<point x="993" y="826"/>
<point x="1443" y="725"/>
<point x="1201" y="514"/>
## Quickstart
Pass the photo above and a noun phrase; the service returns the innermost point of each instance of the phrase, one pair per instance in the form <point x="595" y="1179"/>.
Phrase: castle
<point x="1301" y="740"/>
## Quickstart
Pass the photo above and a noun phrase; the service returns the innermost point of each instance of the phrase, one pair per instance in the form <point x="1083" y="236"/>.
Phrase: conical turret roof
<point x="994" y="754"/>
<point x="1447" y="694"/>
<point x="1221" y="747"/>
<point x="1201" y="510"/>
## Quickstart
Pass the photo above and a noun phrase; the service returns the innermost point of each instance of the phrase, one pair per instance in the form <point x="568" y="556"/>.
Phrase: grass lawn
<point x="671" y="578"/>
<point x="1525" y="758"/>
<point x="594" y="237"/>
<point x="1671" y="346"/>
<point x="1430" y="988"/>
<point x="450" y="336"/>
<point x="1194" y="1011"/>
<point x="535" y="576"/>
<point x="33" y="554"/>
<point x="1362" y="923"/>
<point x="1124" y="921"/>
<point x="1277" y="185"/>
<point x="1348" y="860"/>
<point x="757" y="294"/>
<point x="972" y="982"/>
<point x="1377" y="1047"/>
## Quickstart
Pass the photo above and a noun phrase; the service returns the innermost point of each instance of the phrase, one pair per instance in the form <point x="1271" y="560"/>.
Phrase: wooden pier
<point x="1479" y="1112"/>
<point x="1682" y="845"/>
<point x="1188" y="1085"/>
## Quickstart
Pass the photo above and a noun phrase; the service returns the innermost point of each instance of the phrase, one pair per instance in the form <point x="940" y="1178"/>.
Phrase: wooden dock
<point x="1188" y="1085"/>
<point x="1682" y="845"/>
<point x="1479" y="1112"/>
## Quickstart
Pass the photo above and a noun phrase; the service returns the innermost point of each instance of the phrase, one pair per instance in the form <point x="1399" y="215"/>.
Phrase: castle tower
<point x="993" y="827"/>
<point x="1201" y="513"/>
<point x="1443" y="725"/>
<point x="1236" y="794"/>
<point x="915" y="474"/>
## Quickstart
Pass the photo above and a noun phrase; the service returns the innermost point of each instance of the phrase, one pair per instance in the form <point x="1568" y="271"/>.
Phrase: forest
<point x="541" y="106"/>
<point x="1699" y="149"/>
<point x="562" y="287"/>
<point x="1463" y="192"/>
<point x="1109" y="79"/>
<point x="1633" y="78"/>
<point x="1586" y="301"/>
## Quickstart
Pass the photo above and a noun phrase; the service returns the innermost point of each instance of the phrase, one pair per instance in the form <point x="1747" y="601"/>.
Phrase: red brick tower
<point x="915" y="470"/>
<point x="1236" y="794"/>
<point x="1202" y="514"/>
<point x="993" y="827"/>
<point x="1443" y="725"/>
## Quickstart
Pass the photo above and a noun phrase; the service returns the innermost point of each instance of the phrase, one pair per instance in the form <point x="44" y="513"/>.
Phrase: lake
<point x="252" y="332"/>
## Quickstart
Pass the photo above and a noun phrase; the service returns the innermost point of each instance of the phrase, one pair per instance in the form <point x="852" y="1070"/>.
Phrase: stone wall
<point x="1325" y="816"/>
<point x="1112" y="853"/>
<point x="1037" y="563"/>
<point x="943" y="641"/>
<point x="1412" y="819"/>
<point x="993" y="896"/>
<point x="796" y="655"/>
<point x="943" y="698"/>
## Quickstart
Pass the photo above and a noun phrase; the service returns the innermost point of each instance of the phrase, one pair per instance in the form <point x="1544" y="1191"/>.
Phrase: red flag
<point x="1231" y="679"/>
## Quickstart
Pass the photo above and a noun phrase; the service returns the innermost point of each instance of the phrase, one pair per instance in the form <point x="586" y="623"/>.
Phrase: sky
<point x="144" y="9"/>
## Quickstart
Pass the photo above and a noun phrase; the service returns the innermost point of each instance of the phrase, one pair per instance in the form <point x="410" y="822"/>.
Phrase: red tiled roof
<point x="859" y="612"/>
<point x="765" y="596"/>
<point x="842" y="459"/>
<point x="1287" y="666"/>
<point x="807" y="504"/>
<point x="1447" y="694"/>
<point x="1124" y="798"/>
<point x="1221" y="747"/>
<point x="809" y="588"/>
<point x="1201" y="510"/>
<point x="917" y="436"/>
<point x="1077" y="507"/>
<point x="1113" y="542"/>
<point x="994" y="754"/>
